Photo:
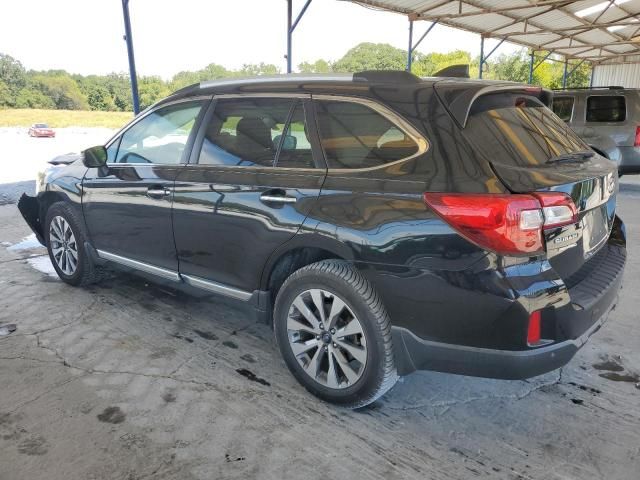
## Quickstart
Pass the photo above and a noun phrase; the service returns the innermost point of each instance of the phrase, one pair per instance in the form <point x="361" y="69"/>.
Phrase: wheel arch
<point x="300" y="251"/>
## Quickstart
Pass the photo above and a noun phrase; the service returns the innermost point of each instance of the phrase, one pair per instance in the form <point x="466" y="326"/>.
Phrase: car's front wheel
<point x="66" y="239"/>
<point x="334" y="334"/>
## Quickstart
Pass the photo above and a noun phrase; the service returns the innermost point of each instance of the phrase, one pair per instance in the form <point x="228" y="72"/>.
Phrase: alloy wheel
<point x="326" y="338"/>
<point x="63" y="245"/>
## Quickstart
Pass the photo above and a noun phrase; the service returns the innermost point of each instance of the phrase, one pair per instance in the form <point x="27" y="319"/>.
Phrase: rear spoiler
<point x="458" y="97"/>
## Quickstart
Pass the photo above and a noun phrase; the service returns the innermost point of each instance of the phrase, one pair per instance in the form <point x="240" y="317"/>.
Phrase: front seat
<point x="253" y="141"/>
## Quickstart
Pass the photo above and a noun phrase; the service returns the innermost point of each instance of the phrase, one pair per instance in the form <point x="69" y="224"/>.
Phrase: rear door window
<point x="606" y="108"/>
<point x="563" y="107"/>
<point x="354" y="135"/>
<point x="518" y="130"/>
<point x="255" y="132"/>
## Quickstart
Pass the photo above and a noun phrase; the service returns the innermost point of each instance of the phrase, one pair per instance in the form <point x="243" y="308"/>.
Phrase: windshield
<point x="41" y="125"/>
<point x="518" y="130"/>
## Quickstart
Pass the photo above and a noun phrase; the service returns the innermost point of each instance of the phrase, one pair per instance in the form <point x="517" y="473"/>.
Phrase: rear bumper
<point x="591" y="301"/>
<point x="413" y="353"/>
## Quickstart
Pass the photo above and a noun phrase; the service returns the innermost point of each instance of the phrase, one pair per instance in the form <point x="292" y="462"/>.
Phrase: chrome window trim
<point x="393" y="117"/>
<point x="146" y="112"/>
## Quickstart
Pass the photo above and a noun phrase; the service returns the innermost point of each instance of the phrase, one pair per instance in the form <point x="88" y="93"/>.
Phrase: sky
<point x="86" y="36"/>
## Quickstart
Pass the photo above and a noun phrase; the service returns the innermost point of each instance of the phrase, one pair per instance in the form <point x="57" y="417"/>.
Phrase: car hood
<point x="65" y="159"/>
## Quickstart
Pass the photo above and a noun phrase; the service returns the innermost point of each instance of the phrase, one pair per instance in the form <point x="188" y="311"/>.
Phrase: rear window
<point x="606" y="108"/>
<point x="563" y="107"/>
<point x="519" y="130"/>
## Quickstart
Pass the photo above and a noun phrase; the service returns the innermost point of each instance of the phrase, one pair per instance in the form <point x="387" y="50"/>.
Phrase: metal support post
<point x="481" y="56"/>
<point x="533" y="56"/>
<point x="410" y="49"/>
<point x="291" y="28"/>
<point x="412" y="46"/>
<point x="132" y="62"/>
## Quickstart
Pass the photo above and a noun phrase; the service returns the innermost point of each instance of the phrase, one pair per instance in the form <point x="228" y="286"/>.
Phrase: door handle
<point x="158" y="192"/>
<point x="277" y="196"/>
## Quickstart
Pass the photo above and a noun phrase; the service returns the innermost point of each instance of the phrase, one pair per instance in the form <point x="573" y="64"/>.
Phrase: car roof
<point x="309" y="83"/>
<point x="590" y="90"/>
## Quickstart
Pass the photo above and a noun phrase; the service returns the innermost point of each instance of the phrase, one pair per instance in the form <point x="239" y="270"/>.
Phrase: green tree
<point x="6" y="97"/>
<point x="150" y="90"/>
<point x="62" y="90"/>
<point x="33" y="98"/>
<point x="319" y="66"/>
<point x="254" y="69"/>
<point x="11" y="71"/>
<point x="372" y="56"/>
<point x="431" y="63"/>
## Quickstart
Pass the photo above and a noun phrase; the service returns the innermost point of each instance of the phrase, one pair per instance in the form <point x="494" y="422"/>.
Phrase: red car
<point x="41" y="130"/>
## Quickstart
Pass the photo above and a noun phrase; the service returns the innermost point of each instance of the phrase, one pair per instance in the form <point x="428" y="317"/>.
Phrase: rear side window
<point x="518" y="130"/>
<point x="563" y="107"/>
<point x="606" y="108"/>
<point x="354" y="135"/>
<point x="264" y="132"/>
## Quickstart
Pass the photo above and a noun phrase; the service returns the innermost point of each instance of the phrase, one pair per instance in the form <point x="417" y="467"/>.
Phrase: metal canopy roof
<point x="599" y="31"/>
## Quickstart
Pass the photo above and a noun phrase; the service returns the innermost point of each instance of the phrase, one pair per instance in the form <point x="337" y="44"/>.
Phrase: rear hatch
<point x="530" y="149"/>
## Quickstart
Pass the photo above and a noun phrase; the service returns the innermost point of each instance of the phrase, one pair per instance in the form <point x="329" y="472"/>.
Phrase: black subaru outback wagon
<point x="383" y="223"/>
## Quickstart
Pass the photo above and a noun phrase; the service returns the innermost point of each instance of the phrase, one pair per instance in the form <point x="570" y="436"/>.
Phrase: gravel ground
<point x="128" y="380"/>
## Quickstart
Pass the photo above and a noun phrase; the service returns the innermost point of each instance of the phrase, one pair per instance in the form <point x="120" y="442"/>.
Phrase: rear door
<point x="525" y="143"/>
<point x="127" y="204"/>
<point x="253" y="177"/>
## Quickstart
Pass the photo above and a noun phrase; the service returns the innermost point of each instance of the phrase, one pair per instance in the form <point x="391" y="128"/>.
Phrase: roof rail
<point x="386" y="76"/>
<point x="610" y="87"/>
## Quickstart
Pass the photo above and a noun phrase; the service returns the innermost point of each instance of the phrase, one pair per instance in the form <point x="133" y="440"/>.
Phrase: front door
<point x="127" y="204"/>
<point x="254" y="182"/>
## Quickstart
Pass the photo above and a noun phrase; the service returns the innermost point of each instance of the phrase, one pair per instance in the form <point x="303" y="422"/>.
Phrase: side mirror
<point x="94" y="157"/>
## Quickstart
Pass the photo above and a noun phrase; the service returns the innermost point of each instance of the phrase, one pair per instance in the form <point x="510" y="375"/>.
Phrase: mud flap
<point x="30" y="209"/>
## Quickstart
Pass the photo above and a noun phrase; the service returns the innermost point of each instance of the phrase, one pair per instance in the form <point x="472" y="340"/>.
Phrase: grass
<point x="25" y="117"/>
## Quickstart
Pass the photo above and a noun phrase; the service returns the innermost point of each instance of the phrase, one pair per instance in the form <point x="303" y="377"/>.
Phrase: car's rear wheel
<point x="334" y="334"/>
<point x="66" y="240"/>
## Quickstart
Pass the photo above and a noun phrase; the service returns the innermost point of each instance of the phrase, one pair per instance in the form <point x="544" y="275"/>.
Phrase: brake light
<point x="558" y="209"/>
<point x="504" y="223"/>
<point x="533" y="332"/>
<point x="637" y="142"/>
<point x="507" y="224"/>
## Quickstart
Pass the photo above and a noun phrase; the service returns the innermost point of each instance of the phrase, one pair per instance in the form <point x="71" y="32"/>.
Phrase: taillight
<point x="504" y="223"/>
<point x="535" y="328"/>
<point x="557" y="208"/>
<point x="637" y="142"/>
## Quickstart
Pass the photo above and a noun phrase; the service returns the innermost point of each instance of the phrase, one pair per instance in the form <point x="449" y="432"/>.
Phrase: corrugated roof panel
<point x="548" y="21"/>
<point x="627" y="76"/>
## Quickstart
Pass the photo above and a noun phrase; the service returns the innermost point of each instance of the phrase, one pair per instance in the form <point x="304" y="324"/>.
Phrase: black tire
<point x="85" y="272"/>
<point x="337" y="276"/>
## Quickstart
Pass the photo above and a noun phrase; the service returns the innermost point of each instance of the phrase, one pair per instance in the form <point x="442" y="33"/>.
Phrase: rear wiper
<point x="571" y="157"/>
